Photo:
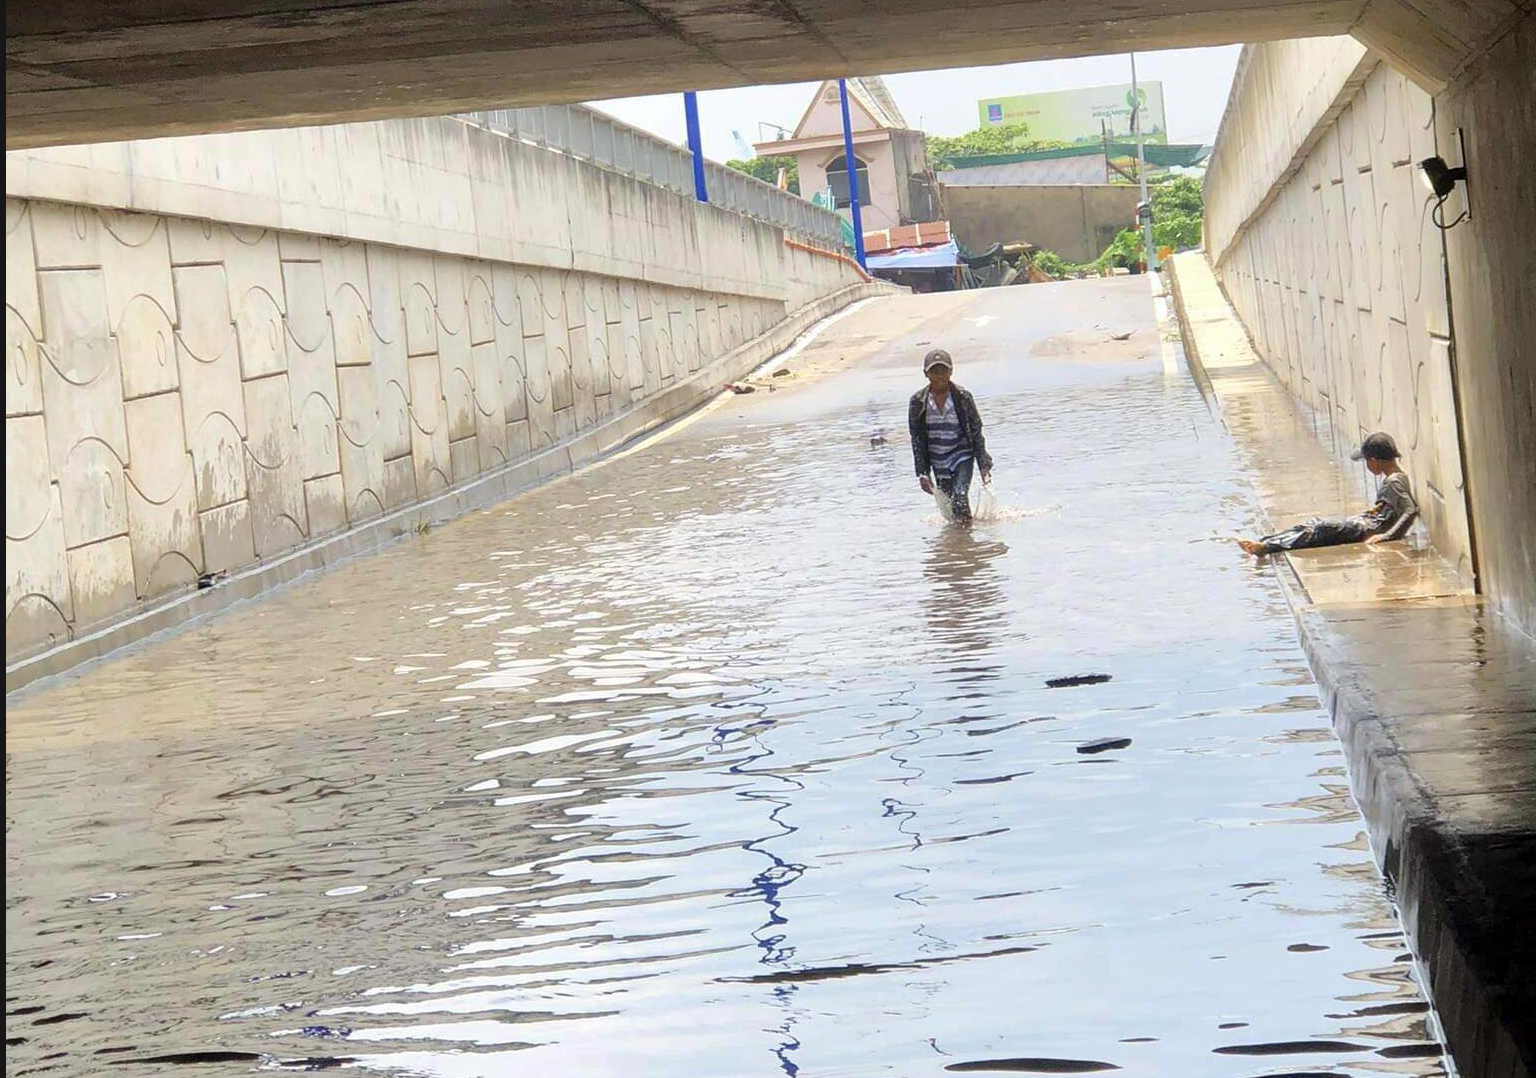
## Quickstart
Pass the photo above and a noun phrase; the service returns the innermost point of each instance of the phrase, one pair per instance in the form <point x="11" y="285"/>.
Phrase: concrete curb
<point x="1443" y="899"/>
<point x="1188" y="339"/>
<point x="638" y="421"/>
<point x="1441" y="896"/>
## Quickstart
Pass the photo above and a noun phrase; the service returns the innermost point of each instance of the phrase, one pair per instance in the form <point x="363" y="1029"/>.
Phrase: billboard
<point x="1075" y="115"/>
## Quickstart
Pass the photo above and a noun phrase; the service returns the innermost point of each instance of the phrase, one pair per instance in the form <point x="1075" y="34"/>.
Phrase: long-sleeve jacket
<point x="970" y="425"/>
<point x="1395" y="509"/>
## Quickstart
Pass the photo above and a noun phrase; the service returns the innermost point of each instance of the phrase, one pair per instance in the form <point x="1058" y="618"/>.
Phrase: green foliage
<point x="1178" y="207"/>
<point x="1125" y="251"/>
<point x="1179" y="194"/>
<point x="767" y="170"/>
<point x="1006" y="138"/>
<point x="1052" y="263"/>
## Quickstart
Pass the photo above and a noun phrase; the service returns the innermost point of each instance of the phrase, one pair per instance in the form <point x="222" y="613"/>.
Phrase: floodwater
<point x="729" y="757"/>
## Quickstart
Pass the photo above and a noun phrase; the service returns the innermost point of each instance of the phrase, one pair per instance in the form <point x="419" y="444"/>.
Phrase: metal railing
<point x="590" y="135"/>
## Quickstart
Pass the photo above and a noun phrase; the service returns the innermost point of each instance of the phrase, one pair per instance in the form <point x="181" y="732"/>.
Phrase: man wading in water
<point x="946" y="436"/>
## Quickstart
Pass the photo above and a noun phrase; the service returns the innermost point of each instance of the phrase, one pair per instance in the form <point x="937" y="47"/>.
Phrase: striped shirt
<point x="948" y="447"/>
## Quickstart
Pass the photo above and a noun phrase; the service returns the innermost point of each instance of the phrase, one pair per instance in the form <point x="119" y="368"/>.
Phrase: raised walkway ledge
<point x="480" y="492"/>
<point x="1432" y="695"/>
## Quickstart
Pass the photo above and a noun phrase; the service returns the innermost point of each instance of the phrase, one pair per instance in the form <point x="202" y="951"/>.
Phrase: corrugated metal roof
<point x="1158" y="153"/>
<point x="877" y="100"/>
<point x="1088" y="168"/>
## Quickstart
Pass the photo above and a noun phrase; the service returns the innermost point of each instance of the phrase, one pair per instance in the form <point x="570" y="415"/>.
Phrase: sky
<point x="1195" y="84"/>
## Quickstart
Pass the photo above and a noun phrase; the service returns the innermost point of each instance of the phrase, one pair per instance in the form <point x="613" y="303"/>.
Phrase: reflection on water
<point x="702" y="764"/>
<point x="965" y="609"/>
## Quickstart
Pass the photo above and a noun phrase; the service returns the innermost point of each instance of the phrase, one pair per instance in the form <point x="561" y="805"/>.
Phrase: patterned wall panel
<point x="1340" y="280"/>
<point x="186" y="397"/>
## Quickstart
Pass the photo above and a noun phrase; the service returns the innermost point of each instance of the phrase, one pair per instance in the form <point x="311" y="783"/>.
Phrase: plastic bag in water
<point x="983" y="504"/>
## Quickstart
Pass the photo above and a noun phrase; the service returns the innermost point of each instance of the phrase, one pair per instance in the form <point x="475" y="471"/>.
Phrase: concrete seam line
<point x="508" y="481"/>
<point x="1511" y="23"/>
<point x="674" y="26"/>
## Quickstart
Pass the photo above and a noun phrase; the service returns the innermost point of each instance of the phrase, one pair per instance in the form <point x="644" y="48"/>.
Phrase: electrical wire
<point x="1438" y="217"/>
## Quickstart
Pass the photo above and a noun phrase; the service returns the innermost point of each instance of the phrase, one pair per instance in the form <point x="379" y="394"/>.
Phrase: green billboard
<point x="1080" y="115"/>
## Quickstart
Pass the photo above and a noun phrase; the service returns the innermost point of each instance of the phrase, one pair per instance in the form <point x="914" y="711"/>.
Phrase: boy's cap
<point x="937" y="358"/>
<point x="1378" y="446"/>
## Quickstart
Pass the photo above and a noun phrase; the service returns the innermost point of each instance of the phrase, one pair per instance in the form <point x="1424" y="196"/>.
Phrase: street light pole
<point x="1149" y="252"/>
<point x="695" y="144"/>
<point x="853" y="176"/>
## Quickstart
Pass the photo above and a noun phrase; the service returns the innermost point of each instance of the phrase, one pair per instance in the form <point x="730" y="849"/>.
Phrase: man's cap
<point x="1378" y="446"/>
<point x="937" y="358"/>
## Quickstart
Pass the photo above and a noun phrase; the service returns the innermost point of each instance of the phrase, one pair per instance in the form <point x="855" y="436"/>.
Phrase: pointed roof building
<point x="896" y="187"/>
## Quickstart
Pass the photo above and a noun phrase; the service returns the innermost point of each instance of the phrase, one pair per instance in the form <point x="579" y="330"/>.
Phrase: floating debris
<point x="1035" y="1065"/>
<point x="740" y="387"/>
<point x="1103" y="744"/>
<point x="194" y="1058"/>
<point x="1075" y="679"/>
<point x="1287" y="1048"/>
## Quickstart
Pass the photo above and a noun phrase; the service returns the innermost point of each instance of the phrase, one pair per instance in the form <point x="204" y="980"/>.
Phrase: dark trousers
<point x="956" y="486"/>
<point x="1318" y="532"/>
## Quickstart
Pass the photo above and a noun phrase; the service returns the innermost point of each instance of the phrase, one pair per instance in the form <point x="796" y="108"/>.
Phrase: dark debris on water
<point x="1076" y="679"/>
<point x="192" y="1058"/>
<point x="1032" y="1065"/>
<point x="1103" y="744"/>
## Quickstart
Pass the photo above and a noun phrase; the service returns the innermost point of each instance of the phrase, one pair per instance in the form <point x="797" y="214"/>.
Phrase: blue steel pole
<point x="853" y="176"/>
<point x="695" y="144"/>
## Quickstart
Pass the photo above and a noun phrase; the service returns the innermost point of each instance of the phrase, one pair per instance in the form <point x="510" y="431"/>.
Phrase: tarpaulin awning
<point x="939" y="256"/>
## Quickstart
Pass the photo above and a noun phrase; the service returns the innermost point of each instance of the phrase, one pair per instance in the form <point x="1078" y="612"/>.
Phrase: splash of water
<point x="986" y="509"/>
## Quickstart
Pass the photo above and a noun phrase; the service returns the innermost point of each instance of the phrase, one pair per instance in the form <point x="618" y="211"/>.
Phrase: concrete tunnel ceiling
<point x="98" y="70"/>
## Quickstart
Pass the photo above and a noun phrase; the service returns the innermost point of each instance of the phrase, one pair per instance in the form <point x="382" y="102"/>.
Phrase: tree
<point x="1179" y="194"/>
<point x="767" y="169"/>
<point x="1178" y="210"/>
<point x="1005" y="138"/>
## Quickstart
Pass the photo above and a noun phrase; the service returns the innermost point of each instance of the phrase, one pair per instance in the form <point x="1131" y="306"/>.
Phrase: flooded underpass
<point x="729" y="757"/>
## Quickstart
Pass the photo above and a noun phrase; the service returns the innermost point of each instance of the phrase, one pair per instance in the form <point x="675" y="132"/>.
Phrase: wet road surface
<point x="728" y="757"/>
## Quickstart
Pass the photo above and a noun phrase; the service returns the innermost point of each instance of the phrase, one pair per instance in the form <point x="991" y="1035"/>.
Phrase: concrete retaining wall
<point x="1077" y="221"/>
<point x="1492" y="261"/>
<point x="1321" y="233"/>
<point x="593" y="136"/>
<point x="223" y="350"/>
<point x="1322" y="239"/>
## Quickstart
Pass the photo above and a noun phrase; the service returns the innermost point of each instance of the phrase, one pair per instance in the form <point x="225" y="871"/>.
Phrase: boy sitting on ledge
<point x="1390" y="518"/>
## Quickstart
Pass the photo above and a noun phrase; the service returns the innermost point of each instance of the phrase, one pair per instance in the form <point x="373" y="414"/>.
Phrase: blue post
<point x="853" y="176"/>
<point x="695" y="144"/>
